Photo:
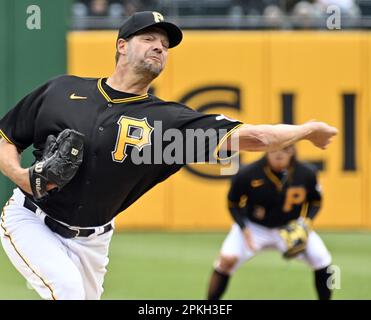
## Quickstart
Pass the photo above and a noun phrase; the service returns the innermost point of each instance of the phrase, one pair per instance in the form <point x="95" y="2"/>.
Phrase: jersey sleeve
<point x="203" y="134"/>
<point x="237" y="198"/>
<point x="314" y="196"/>
<point x="238" y="187"/>
<point x="17" y="126"/>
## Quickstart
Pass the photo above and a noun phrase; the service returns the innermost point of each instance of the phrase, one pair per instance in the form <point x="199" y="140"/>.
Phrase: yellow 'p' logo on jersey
<point x="294" y="196"/>
<point x="157" y="16"/>
<point x="132" y="132"/>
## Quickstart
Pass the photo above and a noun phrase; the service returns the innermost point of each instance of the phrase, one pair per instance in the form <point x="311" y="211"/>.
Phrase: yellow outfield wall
<point x="257" y="77"/>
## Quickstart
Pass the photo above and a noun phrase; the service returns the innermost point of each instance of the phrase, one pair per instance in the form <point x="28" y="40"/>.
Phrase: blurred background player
<point x="273" y="202"/>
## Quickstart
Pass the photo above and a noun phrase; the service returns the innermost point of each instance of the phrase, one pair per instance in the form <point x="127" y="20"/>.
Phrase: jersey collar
<point x="276" y="181"/>
<point x="124" y="100"/>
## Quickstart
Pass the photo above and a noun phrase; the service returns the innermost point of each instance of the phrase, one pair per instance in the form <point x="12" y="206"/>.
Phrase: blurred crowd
<point x="269" y="11"/>
<point x="111" y="8"/>
<point x="117" y="8"/>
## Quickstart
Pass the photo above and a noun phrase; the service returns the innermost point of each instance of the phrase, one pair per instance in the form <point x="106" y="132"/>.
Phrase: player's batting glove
<point x="295" y="234"/>
<point x="61" y="159"/>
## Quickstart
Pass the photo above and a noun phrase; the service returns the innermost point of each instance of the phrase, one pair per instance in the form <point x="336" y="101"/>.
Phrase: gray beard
<point x="148" y="70"/>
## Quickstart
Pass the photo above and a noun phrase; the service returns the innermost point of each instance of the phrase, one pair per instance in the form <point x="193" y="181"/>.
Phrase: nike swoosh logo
<point x="257" y="183"/>
<point x="73" y="96"/>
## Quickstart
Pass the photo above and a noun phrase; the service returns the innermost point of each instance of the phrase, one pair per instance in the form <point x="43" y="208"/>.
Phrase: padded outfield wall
<point x="32" y="50"/>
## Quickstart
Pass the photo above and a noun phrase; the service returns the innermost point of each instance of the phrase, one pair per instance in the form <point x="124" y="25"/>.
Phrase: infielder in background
<point x="57" y="226"/>
<point x="273" y="202"/>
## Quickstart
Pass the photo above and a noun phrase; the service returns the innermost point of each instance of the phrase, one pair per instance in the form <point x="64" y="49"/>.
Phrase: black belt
<point x="61" y="229"/>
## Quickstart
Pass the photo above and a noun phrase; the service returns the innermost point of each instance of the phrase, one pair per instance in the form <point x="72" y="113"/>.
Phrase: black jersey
<point x="115" y="125"/>
<point x="272" y="199"/>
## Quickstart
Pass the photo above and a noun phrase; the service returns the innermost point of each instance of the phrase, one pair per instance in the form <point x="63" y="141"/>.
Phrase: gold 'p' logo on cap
<point x="157" y="16"/>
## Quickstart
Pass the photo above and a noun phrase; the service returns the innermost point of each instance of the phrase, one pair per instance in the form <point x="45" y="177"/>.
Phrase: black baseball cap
<point x="144" y="19"/>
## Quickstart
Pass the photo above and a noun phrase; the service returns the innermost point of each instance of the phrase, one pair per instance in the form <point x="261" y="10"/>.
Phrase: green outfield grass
<point x="154" y="265"/>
